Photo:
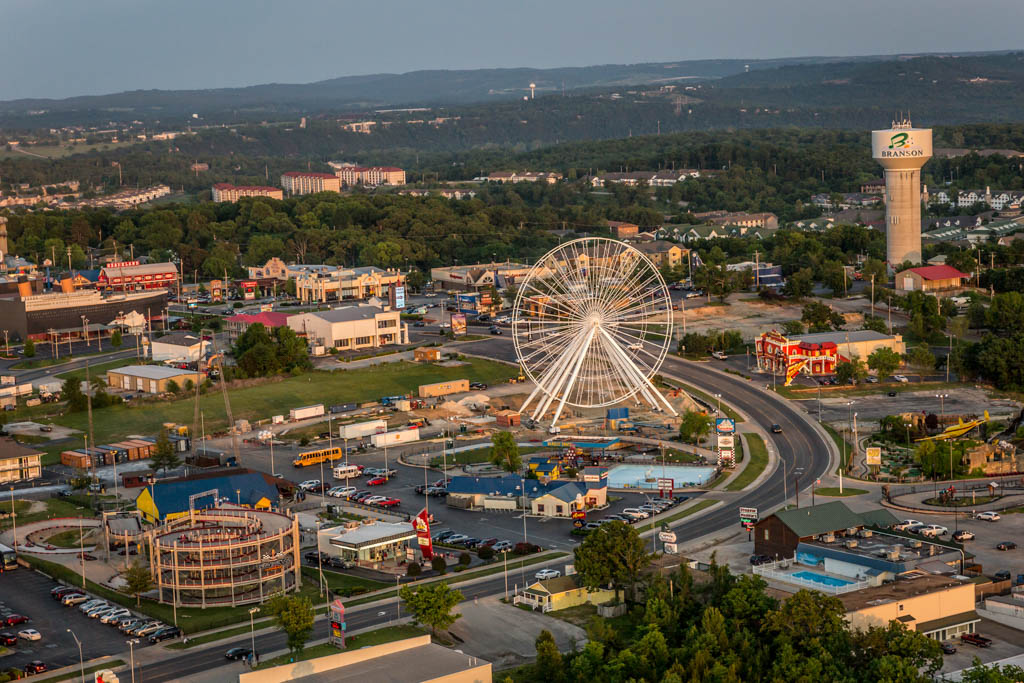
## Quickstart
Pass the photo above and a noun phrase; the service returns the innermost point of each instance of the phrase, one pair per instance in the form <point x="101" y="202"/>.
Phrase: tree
<point x="413" y="570"/>
<point x="884" y="361"/>
<point x="613" y="553"/>
<point x="821" y="318"/>
<point x="116" y="340"/>
<point x="172" y="387"/>
<point x="921" y="359"/>
<point x="876" y="324"/>
<point x="833" y="276"/>
<point x="694" y="426"/>
<point x="137" y="581"/>
<point x="852" y="369"/>
<point x="793" y="327"/>
<point x="164" y="457"/>
<point x="294" y="615"/>
<point x="799" y="284"/>
<point x="505" y="452"/>
<point x="432" y="604"/>
<point x="876" y="267"/>
<point x="71" y="391"/>
<point x="439" y="564"/>
<point x="549" y="665"/>
<point x="30" y="348"/>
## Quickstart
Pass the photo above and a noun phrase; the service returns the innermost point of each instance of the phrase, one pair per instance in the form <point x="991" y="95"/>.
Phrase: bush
<point x="439" y="565"/>
<point x="464" y="558"/>
<point x="525" y="549"/>
<point x="304" y="441"/>
<point x="237" y="304"/>
<point x="413" y="570"/>
<point x="485" y="553"/>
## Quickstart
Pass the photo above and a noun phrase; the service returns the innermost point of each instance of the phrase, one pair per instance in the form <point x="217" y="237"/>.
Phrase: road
<point x="803" y="452"/>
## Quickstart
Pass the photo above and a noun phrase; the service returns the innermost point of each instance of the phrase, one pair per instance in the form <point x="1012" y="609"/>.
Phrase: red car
<point x="35" y="667"/>
<point x="376" y="481"/>
<point x="15" y="619"/>
<point x="390" y="503"/>
<point x="8" y="639"/>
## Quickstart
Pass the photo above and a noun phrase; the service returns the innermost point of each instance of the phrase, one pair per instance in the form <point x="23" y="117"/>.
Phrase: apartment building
<point x="226" y="192"/>
<point x="18" y="462"/>
<point x="301" y="182"/>
<point x="370" y="175"/>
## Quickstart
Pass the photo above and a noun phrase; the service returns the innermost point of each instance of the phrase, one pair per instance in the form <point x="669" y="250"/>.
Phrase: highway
<point x="804" y="456"/>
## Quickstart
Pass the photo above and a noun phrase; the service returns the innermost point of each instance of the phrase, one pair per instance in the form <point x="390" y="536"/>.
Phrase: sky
<point x="63" y="48"/>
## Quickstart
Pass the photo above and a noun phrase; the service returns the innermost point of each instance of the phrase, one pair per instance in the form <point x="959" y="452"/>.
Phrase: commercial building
<point x="524" y="177"/>
<point x="621" y="230"/>
<point x="134" y="276"/>
<point x="18" y="462"/>
<point x="475" y="278"/>
<point x="560" y="500"/>
<point x="237" y="325"/>
<point x="179" y="346"/>
<point x="370" y="175"/>
<point x="371" y="544"/>
<point x="780" y="533"/>
<point x="224" y="556"/>
<point x="168" y="500"/>
<point x="820" y="352"/>
<point x="940" y="607"/>
<point x="226" y="192"/>
<point x="902" y="150"/>
<point x="413" y="660"/>
<point x="323" y="284"/>
<point x="299" y="183"/>
<point x="352" y="328"/>
<point x="930" y="280"/>
<point x="455" y="386"/>
<point x="60" y="314"/>
<point x="561" y="593"/>
<point x="150" y="379"/>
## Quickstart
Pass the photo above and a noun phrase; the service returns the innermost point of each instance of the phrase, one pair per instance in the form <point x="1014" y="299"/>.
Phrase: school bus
<point x="318" y="456"/>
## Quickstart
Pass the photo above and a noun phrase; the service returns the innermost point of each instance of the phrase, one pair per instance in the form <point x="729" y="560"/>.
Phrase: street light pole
<point x="252" y="627"/>
<point x="131" y="649"/>
<point x="14" y="518"/>
<point x="81" y="660"/>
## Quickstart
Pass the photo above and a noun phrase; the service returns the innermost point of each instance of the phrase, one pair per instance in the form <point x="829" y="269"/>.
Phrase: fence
<point x="770" y="570"/>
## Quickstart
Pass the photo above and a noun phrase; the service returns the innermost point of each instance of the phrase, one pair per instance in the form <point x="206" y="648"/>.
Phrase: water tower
<point x="533" y="89"/>
<point x="902" y="150"/>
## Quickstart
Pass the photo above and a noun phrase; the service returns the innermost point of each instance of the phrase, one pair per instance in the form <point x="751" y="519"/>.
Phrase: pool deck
<point x="782" y="575"/>
<point x="670" y="471"/>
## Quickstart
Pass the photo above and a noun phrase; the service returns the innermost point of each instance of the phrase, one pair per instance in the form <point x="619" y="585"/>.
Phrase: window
<point x="540" y="507"/>
<point x="363" y="340"/>
<point x="558" y="509"/>
<point x="390" y="322"/>
<point x="766" y="534"/>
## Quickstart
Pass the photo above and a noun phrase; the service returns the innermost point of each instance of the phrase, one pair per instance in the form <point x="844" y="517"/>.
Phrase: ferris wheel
<point x="592" y="324"/>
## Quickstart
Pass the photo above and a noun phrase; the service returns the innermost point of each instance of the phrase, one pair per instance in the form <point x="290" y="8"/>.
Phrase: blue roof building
<point x="163" y="501"/>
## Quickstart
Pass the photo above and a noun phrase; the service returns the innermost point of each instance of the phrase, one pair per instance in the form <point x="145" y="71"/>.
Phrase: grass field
<point x="65" y="539"/>
<point x="833" y="491"/>
<point x="842" y="445"/>
<point x="100" y="369"/>
<point x="344" y="584"/>
<point x="755" y="466"/>
<point x="276" y="397"/>
<point x="34" y="363"/>
<point x="55" y="507"/>
<point x="57" y="151"/>
<point x="481" y="455"/>
<point x="711" y="401"/>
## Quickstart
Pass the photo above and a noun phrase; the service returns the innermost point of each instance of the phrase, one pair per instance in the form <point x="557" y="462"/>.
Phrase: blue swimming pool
<point x="821" y="578"/>
<point x="646" y="476"/>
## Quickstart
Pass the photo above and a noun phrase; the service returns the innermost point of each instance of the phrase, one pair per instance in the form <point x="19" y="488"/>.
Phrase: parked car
<point x="988" y="516"/>
<point x="442" y="534"/>
<point x="471" y="542"/>
<point x="34" y="667"/>
<point x="503" y="546"/>
<point x="975" y="639"/>
<point x="14" y="620"/>
<point x="309" y="484"/>
<point x="113" y="615"/>
<point x="915" y="529"/>
<point x="390" y="503"/>
<point x="455" y="539"/>
<point x="30" y="634"/>
<point x="933" y="530"/>
<point x="1006" y="545"/>
<point x="719" y="355"/>
<point x="313" y="556"/>
<point x="547" y="574"/>
<point x="129" y="624"/>
<point x="948" y="649"/>
<point x="477" y="386"/>
<point x="487" y="542"/>
<point x="906" y="524"/>
<point x="373" y="500"/>
<point x="635" y="513"/>
<point x="166" y="633"/>
<point x="8" y="639"/>
<point x="339" y="563"/>
<point x="377" y="481"/>
<point x="871" y="379"/>
<point x="437" y="491"/>
<point x="963" y="535"/>
<point x="74" y="599"/>
<point x="93" y="604"/>
<point x="237" y="653"/>
<point x="57" y="592"/>
<point x="759" y="559"/>
<point x="900" y="378"/>
<point x="147" y="628"/>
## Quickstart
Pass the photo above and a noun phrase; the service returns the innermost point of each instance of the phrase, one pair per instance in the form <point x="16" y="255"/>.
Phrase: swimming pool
<point x="821" y="578"/>
<point x="646" y="476"/>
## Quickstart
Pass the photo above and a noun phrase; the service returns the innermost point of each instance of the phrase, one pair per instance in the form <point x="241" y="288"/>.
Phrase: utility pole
<point x="890" y="315"/>
<point x="872" y="295"/>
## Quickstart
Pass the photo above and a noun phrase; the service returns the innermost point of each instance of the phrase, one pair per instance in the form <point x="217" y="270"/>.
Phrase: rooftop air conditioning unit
<point x="851" y="543"/>
<point x="852" y="531"/>
<point x="865" y="533"/>
<point x="827" y="538"/>
<point x="893" y="555"/>
<point x="915" y="544"/>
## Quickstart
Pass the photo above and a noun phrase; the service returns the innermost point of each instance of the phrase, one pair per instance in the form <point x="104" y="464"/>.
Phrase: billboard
<point x="338" y="625"/>
<point x="725" y="425"/>
<point x="726" y="441"/>
<point x="873" y="455"/>
<point x="458" y="324"/>
<point x="421" y="523"/>
<point x="748" y="514"/>
<point x="468" y="303"/>
<point x="398" y="291"/>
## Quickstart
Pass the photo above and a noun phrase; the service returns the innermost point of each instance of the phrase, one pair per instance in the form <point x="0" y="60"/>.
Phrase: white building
<point x="351" y="328"/>
<point x="180" y="347"/>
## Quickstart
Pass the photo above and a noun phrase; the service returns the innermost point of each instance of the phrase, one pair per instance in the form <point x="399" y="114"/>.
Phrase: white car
<point x="116" y="614"/>
<point x="547" y="574"/>
<point x="933" y="530"/>
<point x="906" y="524"/>
<point x="341" y="491"/>
<point x="89" y="604"/>
<point x="635" y="347"/>
<point x="30" y="634"/>
<point x="989" y="516"/>
<point x="373" y="500"/>
<point x="900" y="378"/>
<point x="309" y="484"/>
<point x="635" y="513"/>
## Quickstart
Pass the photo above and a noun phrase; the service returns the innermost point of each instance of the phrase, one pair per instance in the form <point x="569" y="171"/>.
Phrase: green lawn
<point x="276" y="397"/>
<point x="842" y="445"/>
<point x="693" y="509"/>
<point x="56" y="151"/>
<point x="712" y="401"/>
<point x="65" y="539"/>
<point x="755" y="466"/>
<point x="55" y="507"/>
<point x="345" y="584"/>
<point x="379" y="636"/>
<point x="481" y="455"/>
<point x="833" y="491"/>
<point x="32" y="363"/>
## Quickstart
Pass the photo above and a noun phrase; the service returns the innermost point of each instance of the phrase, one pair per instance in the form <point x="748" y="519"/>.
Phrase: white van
<point x="347" y="472"/>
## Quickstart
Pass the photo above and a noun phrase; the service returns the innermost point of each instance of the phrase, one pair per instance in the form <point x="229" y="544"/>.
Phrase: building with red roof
<point x="236" y="325"/>
<point x="301" y="182"/>
<point x="932" y="279"/>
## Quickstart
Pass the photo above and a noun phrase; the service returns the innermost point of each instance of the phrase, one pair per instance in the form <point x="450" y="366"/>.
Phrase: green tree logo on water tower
<point x="899" y="140"/>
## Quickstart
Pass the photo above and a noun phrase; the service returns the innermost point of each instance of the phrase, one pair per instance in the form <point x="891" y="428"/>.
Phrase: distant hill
<point x="360" y="93"/>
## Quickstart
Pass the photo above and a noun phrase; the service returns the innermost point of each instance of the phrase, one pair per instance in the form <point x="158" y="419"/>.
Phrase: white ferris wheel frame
<point x="593" y="344"/>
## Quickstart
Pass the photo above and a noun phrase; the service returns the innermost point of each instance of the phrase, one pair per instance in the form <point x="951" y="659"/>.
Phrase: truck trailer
<point x="306" y="412"/>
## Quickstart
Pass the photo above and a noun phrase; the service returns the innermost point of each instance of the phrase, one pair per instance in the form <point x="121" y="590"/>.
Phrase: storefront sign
<point x="421" y="523"/>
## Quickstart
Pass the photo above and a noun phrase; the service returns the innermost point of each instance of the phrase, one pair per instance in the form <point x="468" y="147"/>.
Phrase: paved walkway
<point x="917" y="500"/>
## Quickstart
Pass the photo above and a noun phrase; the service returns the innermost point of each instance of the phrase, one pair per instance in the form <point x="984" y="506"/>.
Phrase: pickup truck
<point x="976" y="639"/>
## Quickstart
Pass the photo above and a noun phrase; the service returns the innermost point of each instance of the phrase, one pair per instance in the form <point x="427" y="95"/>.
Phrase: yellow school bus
<point x="318" y="456"/>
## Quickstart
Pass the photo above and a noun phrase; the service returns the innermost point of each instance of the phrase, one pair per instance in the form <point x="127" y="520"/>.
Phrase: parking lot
<point x="26" y="592"/>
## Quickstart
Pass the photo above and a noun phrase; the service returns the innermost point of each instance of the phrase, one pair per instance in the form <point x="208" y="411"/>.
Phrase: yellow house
<point x="940" y="607"/>
<point x="561" y="593"/>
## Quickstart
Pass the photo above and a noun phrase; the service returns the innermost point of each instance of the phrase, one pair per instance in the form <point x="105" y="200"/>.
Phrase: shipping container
<point x="403" y="405"/>
<point x="395" y="438"/>
<point x="343" y="407"/>
<point x="454" y="386"/>
<point x="277" y="419"/>
<point x="7" y="380"/>
<point x="361" y="429"/>
<point x="76" y="458"/>
<point x="306" y="412"/>
<point x="617" y="413"/>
